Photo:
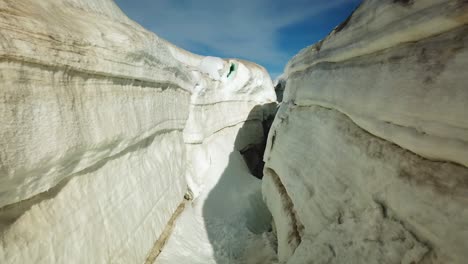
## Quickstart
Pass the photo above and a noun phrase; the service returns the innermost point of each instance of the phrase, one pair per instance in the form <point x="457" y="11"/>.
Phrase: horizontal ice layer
<point x="377" y="25"/>
<point x="366" y="160"/>
<point x="77" y="90"/>
<point x="228" y="101"/>
<point x="60" y="122"/>
<point x="336" y="174"/>
<point x="412" y="94"/>
<point x="111" y="212"/>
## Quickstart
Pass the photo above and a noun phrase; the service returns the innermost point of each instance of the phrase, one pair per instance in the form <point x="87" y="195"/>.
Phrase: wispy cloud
<point x="237" y="28"/>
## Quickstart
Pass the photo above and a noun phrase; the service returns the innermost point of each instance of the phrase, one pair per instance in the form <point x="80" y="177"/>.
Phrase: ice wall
<point x="227" y="219"/>
<point x="100" y="125"/>
<point x="367" y="158"/>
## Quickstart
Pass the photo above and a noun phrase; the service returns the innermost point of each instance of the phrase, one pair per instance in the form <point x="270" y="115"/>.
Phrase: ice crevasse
<point x="118" y="147"/>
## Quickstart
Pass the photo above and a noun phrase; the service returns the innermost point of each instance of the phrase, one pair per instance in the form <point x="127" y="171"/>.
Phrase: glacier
<point x="117" y="146"/>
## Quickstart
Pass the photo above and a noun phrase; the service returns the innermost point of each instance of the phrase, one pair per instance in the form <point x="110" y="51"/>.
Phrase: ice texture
<point x="366" y="160"/>
<point x="100" y="125"/>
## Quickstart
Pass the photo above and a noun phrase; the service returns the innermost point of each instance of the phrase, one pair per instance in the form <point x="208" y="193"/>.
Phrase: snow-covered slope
<point x="367" y="158"/>
<point x="100" y="121"/>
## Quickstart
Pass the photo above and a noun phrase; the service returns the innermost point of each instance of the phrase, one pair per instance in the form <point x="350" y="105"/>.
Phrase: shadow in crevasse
<point x="237" y="221"/>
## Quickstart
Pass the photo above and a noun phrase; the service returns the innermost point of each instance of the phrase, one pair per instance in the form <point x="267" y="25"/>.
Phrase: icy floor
<point x="228" y="222"/>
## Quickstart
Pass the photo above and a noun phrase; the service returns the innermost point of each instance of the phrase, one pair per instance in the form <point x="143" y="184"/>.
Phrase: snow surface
<point x="214" y="67"/>
<point x="227" y="222"/>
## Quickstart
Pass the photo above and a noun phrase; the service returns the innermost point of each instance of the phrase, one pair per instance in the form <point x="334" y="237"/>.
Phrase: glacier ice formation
<point x="118" y="147"/>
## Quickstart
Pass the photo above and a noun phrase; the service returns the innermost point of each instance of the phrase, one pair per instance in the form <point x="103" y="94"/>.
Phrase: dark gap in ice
<point x="253" y="154"/>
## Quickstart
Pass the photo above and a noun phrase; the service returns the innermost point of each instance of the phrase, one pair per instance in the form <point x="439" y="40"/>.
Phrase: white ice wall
<point x="367" y="154"/>
<point x="96" y="114"/>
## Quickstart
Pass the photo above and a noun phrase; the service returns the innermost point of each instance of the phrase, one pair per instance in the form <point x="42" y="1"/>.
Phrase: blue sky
<point x="268" y="32"/>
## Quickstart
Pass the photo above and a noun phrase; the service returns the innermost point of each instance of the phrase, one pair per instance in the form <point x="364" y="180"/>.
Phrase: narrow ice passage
<point x="106" y="128"/>
<point x="228" y="221"/>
